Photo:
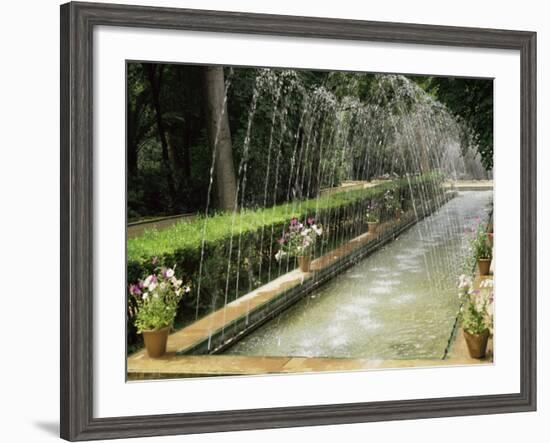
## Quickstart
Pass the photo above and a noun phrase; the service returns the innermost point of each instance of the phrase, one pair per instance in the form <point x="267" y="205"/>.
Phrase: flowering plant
<point x="157" y="297"/>
<point x="299" y="239"/>
<point x="373" y="213"/>
<point x="481" y="244"/>
<point x="477" y="311"/>
<point x="391" y="202"/>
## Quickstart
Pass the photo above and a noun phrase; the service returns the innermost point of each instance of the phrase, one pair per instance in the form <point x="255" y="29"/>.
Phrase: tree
<point x="472" y="101"/>
<point x="139" y="122"/>
<point x="154" y="74"/>
<point x="219" y="136"/>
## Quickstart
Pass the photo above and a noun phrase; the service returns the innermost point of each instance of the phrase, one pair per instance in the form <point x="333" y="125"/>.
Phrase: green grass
<point x="220" y="226"/>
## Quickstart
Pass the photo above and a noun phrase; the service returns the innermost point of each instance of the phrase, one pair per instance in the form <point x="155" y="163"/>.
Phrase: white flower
<point x="306" y="231"/>
<point x="177" y="283"/>
<point x="152" y="286"/>
<point x="169" y="273"/>
<point x="280" y="255"/>
<point x="479" y="301"/>
<point x="147" y="281"/>
<point x="318" y="230"/>
<point x="464" y="282"/>
<point x="145" y="296"/>
<point x="186" y="288"/>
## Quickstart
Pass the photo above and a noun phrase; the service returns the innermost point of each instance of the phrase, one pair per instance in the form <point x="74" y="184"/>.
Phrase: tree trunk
<point x="155" y="82"/>
<point x="219" y="136"/>
<point x="131" y="148"/>
<point x="424" y="155"/>
<point x="174" y="156"/>
<point x="187" y="137"/>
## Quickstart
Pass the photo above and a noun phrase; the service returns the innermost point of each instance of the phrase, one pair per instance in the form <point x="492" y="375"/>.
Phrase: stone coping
<point x="183" y="366"/>
<point x="470" y="185"/>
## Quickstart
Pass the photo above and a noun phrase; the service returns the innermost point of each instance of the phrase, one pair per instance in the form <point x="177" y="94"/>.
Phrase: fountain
<point x="399" y="303"/>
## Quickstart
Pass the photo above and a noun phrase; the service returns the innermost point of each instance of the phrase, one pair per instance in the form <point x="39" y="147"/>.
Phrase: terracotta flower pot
<point x="155" y="341"/>
<point x="484" y="266"/>
<point x="477" y="343"/>
<point x="304" y="261"/>
<point x="373" y="227"/>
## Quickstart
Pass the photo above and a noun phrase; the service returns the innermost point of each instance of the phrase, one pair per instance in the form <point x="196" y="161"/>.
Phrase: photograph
<point x="284" y="220"/>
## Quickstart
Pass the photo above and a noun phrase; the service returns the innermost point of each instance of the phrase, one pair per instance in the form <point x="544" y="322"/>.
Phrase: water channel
<point x="399" y="303"/>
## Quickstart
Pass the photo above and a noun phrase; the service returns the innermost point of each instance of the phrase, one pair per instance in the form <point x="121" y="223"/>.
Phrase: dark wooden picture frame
<point x="77" y="23"/>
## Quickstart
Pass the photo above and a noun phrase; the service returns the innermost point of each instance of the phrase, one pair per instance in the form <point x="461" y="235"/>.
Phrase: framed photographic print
<point x="272" y="221"/>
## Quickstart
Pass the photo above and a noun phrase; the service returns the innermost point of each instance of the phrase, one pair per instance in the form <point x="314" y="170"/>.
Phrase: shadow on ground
<point x="49" y="427"/>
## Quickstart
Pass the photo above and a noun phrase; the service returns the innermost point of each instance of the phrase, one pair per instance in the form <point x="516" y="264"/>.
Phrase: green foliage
<point x="481" y="245"/>
<point x="149" y="190"/>
<point x="154" y="300"/>
<point x="472" y="101"/>
<point x="474" y="317"/>
<point x="221" y="226"/>
<point x="372" y="215"/>
<point x="300" y="238"/>
<point x="307" y="130"/>
<point x="476" y="313"/>
<point x="392" y="202"/>
<point x="155" y="314"/>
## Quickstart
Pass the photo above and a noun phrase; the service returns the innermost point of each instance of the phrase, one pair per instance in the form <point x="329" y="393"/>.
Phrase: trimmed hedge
<point x="238" y="249"/>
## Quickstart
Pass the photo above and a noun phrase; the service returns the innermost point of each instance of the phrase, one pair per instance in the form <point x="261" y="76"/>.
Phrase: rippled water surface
<point x="399" y="303"/>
